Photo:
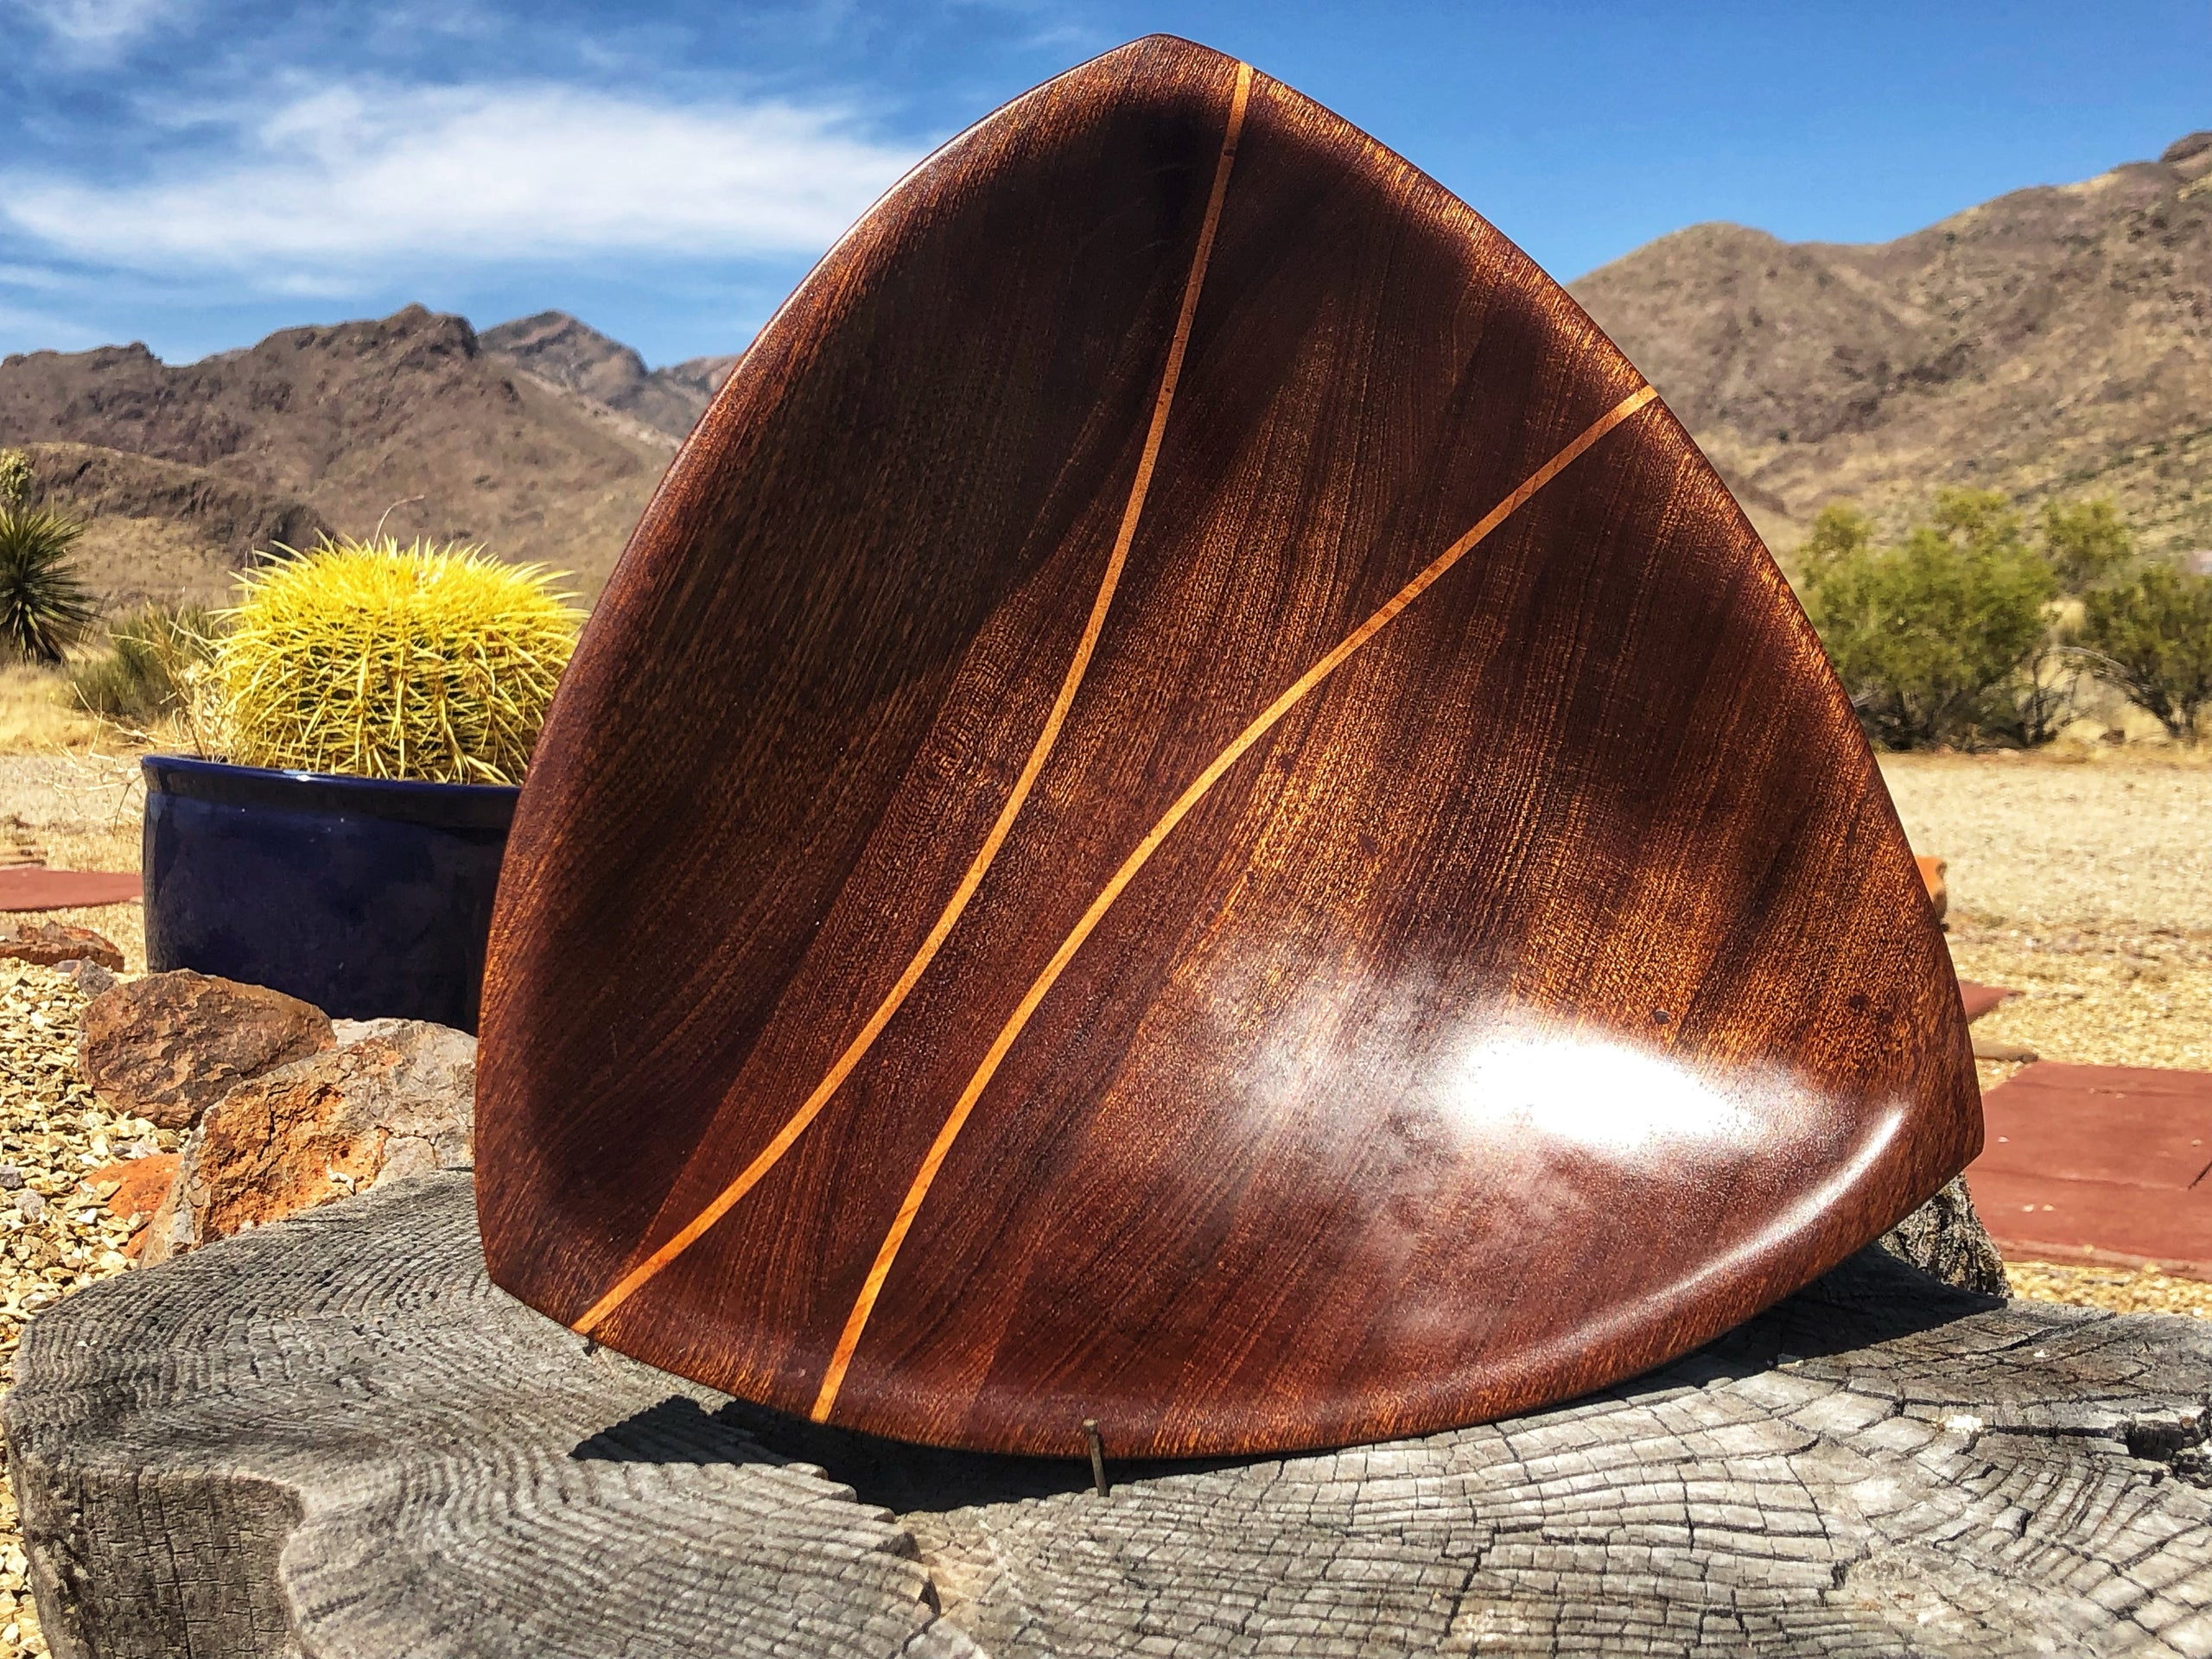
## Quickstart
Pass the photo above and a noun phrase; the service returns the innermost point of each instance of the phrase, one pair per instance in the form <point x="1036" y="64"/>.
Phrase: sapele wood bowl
<point x="1192" y="809"/>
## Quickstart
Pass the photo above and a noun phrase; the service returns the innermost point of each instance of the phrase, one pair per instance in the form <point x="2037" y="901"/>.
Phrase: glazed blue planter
<point x="364" y="896"/>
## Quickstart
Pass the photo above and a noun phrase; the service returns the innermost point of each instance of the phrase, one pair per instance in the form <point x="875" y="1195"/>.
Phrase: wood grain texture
<point x="333" y="1437"/>
<point x="1191" y="808"/>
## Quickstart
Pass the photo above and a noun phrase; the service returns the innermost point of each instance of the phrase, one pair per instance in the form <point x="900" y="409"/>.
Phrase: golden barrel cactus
<point x="382" y="661"/>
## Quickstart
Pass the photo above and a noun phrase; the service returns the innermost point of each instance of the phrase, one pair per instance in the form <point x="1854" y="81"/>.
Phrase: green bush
<point x="2086" y="543"/>
<point x="14" y="479"/>
<point x="1839" y="531"/>
<point x="1946" y="638"/>
<point x="143" y="677"/>
<point x="2150" y="637"/>
<point x="44" y="603"/>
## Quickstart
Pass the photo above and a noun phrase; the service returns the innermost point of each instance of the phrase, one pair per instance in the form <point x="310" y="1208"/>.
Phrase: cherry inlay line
<point x="785" y="1137"/>
<point x="840" y="1360"/>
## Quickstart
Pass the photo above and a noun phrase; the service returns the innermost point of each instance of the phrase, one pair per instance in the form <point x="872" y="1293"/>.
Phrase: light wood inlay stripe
<point x="833" y="1380"/>
<point x="784" y="1139"/>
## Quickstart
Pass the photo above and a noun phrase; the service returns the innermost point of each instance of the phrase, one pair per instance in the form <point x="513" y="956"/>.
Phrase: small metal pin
<point x="1098" y="1455"/>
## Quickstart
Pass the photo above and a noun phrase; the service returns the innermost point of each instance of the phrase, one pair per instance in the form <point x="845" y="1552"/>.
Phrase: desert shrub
<point x="1944" y="638"/>
<point x="44" y="603"/>
<point x="383" y="661"/>
<point x="2150" y="637"/>
<point x="2085" y="542"/>
<point x="1839" y="531"/>
<point x="144" y="675"/>
<point x="14" y="479"/>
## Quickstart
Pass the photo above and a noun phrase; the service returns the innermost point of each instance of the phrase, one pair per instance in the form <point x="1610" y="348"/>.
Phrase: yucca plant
<point x="43" y="603"/>
<point x="433" y="662"/>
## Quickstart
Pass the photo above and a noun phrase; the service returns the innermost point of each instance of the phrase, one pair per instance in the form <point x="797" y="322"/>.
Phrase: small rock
<point x="10" y="1177"/>
<point x="92" y="978"/>
<point x="30" y="1205"/>
<point x="169" y="1045"/>
<point x="49" y="943"/>
<point x="397" y="1104"/>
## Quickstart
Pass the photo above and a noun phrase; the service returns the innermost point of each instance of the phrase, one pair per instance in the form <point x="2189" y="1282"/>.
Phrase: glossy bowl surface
<point x="1192" y="811"/>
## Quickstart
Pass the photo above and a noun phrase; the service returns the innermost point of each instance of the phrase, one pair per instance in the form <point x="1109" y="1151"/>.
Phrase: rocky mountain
<point x="555" y="347"/>
<point x="161" y="530"/>
<point x="407" y="420"/>
<point x="2054" y="341"/>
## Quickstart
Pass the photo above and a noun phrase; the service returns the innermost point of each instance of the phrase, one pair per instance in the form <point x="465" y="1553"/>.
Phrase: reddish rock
<point x="170" y="1045"/>
<point x="48" y="942"/>
<point x="399" y="1102"/>
<point x="140" y="1185"/>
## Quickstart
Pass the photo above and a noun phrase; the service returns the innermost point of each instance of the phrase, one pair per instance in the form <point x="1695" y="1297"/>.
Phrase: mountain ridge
<point x="2055" y="339"/>
<point x="574" y="356"/>
<point x="404" y="421"/>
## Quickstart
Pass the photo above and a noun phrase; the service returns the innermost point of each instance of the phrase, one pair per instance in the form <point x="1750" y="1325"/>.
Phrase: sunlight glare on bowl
<point x="1601" y="1097"/>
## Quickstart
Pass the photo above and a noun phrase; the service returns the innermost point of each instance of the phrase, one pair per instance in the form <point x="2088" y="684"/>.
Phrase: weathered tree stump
<point x="334" y="1437"/>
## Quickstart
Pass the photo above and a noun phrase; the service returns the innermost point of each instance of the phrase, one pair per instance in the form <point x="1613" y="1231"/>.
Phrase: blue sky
<point x="196" y="173"/>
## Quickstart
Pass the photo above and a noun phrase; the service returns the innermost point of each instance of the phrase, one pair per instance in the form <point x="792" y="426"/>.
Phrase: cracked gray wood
<point x="333" y="1438"/>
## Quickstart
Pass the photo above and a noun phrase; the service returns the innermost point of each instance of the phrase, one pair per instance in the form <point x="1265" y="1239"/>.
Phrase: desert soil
<point x="2084" y="884"/>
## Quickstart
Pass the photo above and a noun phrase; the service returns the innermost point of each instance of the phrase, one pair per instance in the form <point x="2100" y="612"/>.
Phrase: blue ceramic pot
<point x="364" y="896"/>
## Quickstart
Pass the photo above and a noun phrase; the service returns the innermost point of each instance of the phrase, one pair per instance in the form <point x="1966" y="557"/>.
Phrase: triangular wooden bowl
<point x="1192" y="810"/>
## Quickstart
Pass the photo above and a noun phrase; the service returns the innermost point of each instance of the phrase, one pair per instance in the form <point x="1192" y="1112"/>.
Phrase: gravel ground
<point x="2124" y="1291"/>
<point x="2086" y="884"/>
<point x="56" y="1233"/>
<point x="2117" y="842"/>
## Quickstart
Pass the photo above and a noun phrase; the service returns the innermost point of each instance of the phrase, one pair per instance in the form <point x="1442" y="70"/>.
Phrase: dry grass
<point x="36" y="719"/>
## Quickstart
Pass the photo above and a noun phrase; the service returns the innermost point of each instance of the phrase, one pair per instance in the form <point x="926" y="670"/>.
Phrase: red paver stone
<point x="30" y="887"/>
<point x="2099" y="1163"/>
<point x="1981" y="999"/>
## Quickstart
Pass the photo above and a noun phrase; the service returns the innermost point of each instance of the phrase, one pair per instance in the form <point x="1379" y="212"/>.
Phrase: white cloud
<point x="36" y="277"/>
<point x="348" y="183"/>
<point x="96" y="29"/>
